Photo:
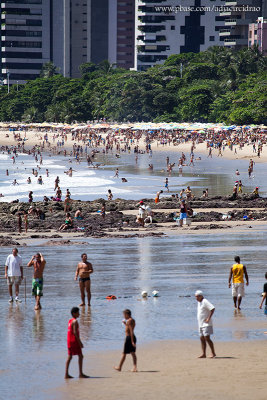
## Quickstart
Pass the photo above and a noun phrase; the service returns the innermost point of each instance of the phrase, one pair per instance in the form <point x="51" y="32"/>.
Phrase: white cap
<point x="199" y="293"/>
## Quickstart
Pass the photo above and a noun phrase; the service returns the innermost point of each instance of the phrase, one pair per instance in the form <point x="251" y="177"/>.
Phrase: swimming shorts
<point x="128" y="347"/>
<point x="84" y="279"/>
<point x="37" y="287"/>
<point x="183" y="215"/>
<point x="74" y="350"/>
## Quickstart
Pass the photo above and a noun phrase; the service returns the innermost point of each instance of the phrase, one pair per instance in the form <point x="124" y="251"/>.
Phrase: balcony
<point x="225" y="14"/>
<point x="229" y="3"/>
<point x="225" y="32"/>
<point x="235" y="42"/>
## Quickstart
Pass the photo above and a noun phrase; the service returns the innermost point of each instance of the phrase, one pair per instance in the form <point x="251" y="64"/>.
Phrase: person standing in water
<point x="83" y="271"/>
<point x="38" y="262"/>
<point x="237" y="273"/>
<point x="14" y="274"/>
<point x="130" y="341"/>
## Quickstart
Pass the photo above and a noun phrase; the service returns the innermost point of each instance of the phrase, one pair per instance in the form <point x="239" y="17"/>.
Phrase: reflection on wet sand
<point x="85" y="323"/>
<point x="38" y="327"/>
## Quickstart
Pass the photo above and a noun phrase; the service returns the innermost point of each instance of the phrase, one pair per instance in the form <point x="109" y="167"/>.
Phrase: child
<point x="167" y="184"/>
<point x="130" y="340"/>
<point x="74" y="343"/>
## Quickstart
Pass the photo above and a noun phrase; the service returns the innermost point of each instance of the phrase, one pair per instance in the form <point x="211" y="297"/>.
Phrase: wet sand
<point x="171" y="370"/>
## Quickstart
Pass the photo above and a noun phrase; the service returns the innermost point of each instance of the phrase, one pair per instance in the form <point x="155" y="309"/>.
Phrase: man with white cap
<point x="205" y="312"/>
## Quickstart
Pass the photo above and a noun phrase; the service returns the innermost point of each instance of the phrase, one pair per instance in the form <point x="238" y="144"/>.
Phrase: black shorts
<point x="128" y="347"/>
<point x="84" y="279"/>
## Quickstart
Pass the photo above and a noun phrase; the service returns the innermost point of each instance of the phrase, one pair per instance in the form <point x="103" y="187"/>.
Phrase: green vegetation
<point x="218" y="85"/>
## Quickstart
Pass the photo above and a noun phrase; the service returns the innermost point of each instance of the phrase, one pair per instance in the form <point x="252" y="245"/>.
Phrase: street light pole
<point x="17" y="86"/>
<point x="8" y="82"/>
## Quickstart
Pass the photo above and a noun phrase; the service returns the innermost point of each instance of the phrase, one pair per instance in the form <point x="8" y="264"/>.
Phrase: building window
<point x="212" y="38"/>
<point x="172" y="28"/>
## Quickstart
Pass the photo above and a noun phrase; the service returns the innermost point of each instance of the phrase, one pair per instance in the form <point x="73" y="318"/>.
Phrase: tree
<point x="48" y="70"/>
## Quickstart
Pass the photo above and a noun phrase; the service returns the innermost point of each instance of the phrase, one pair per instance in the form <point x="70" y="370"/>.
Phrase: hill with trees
<point x="217" y="85"/>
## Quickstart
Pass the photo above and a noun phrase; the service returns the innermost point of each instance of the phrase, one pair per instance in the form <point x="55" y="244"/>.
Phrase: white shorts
<point x="13" y="279"/>
<point x="206" y="331"/>
<point x="238" y="290"/>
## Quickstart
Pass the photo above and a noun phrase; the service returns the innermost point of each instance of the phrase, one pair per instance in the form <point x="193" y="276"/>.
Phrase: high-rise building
<point x="66" y="32"/>
<point x="257" y="35"/>
<point x="238" y="14"/>
<point x="25" y="38"/>
<point x="125" y="33"/>
<point x="166" y="27"/>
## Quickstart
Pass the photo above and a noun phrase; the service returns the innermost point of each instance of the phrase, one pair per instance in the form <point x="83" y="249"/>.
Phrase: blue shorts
<point x="265" y="310"/>
<point x="183" y="215"/>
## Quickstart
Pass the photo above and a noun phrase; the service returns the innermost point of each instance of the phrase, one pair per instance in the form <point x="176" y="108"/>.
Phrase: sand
<point x="170" y="370"/>
<point x="35" y="137"/>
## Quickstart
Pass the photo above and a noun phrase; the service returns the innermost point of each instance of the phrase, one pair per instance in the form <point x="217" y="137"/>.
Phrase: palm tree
<point x="48" y="70"/>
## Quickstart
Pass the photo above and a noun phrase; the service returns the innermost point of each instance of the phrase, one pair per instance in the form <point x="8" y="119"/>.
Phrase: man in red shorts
<point x="74" y="343"/>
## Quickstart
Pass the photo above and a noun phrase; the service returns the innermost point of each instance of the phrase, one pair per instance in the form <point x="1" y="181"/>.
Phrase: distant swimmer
<point x="110" y="195"/>
<point x="83" y="271"/>
<point x="167" y="184"/>
<point x="130" y="341"/>
<point x="237" y="172"/>
<point x="70" y="171"/>
<point x="74" y="343"/>
<point x="29" y="180"/>
<point x="14" y="183"/>
<point x="124" y="180"/>
<point x="237" y="273"/>
<point x="57" y="180"/>
<point x="40" y="180"/>
<point x="116" y="173"/>
<point x="205" y="312"/>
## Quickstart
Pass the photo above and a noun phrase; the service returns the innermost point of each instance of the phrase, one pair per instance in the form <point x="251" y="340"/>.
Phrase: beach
<point x="35" y="137"/>
<point x="128" y="259"/>
<point x="171" y="370"/>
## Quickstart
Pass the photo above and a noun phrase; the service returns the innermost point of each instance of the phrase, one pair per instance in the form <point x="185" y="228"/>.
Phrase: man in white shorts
<point x="14" y="274"/>
<point x="237" y="273"/>
<point x="205" y="312"/>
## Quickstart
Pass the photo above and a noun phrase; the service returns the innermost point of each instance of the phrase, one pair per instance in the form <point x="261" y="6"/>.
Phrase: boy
<point x="74" y="343"/>
<point x="130" y="340"/>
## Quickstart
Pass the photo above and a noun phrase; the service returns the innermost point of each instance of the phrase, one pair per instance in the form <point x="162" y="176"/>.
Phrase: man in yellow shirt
<point x="237" y="273"/>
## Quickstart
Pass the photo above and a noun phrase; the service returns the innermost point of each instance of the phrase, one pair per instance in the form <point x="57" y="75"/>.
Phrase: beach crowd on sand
<point x="83" y="144"/>
<point x="14" y="275"/>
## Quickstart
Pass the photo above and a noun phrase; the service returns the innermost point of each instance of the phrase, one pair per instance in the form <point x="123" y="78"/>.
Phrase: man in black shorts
<point x="130" y="341"/>
<point x="83" y="271"/>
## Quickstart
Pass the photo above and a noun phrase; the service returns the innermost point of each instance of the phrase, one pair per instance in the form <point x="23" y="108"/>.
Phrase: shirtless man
<point x="84" y="270"/>
<point x="130" y="341"/>
<point x="38" y="262"/>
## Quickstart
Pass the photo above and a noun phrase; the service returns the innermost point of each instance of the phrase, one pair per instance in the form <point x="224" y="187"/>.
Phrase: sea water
<point x="34" y="343"/>
<point x="89" y="183"/>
